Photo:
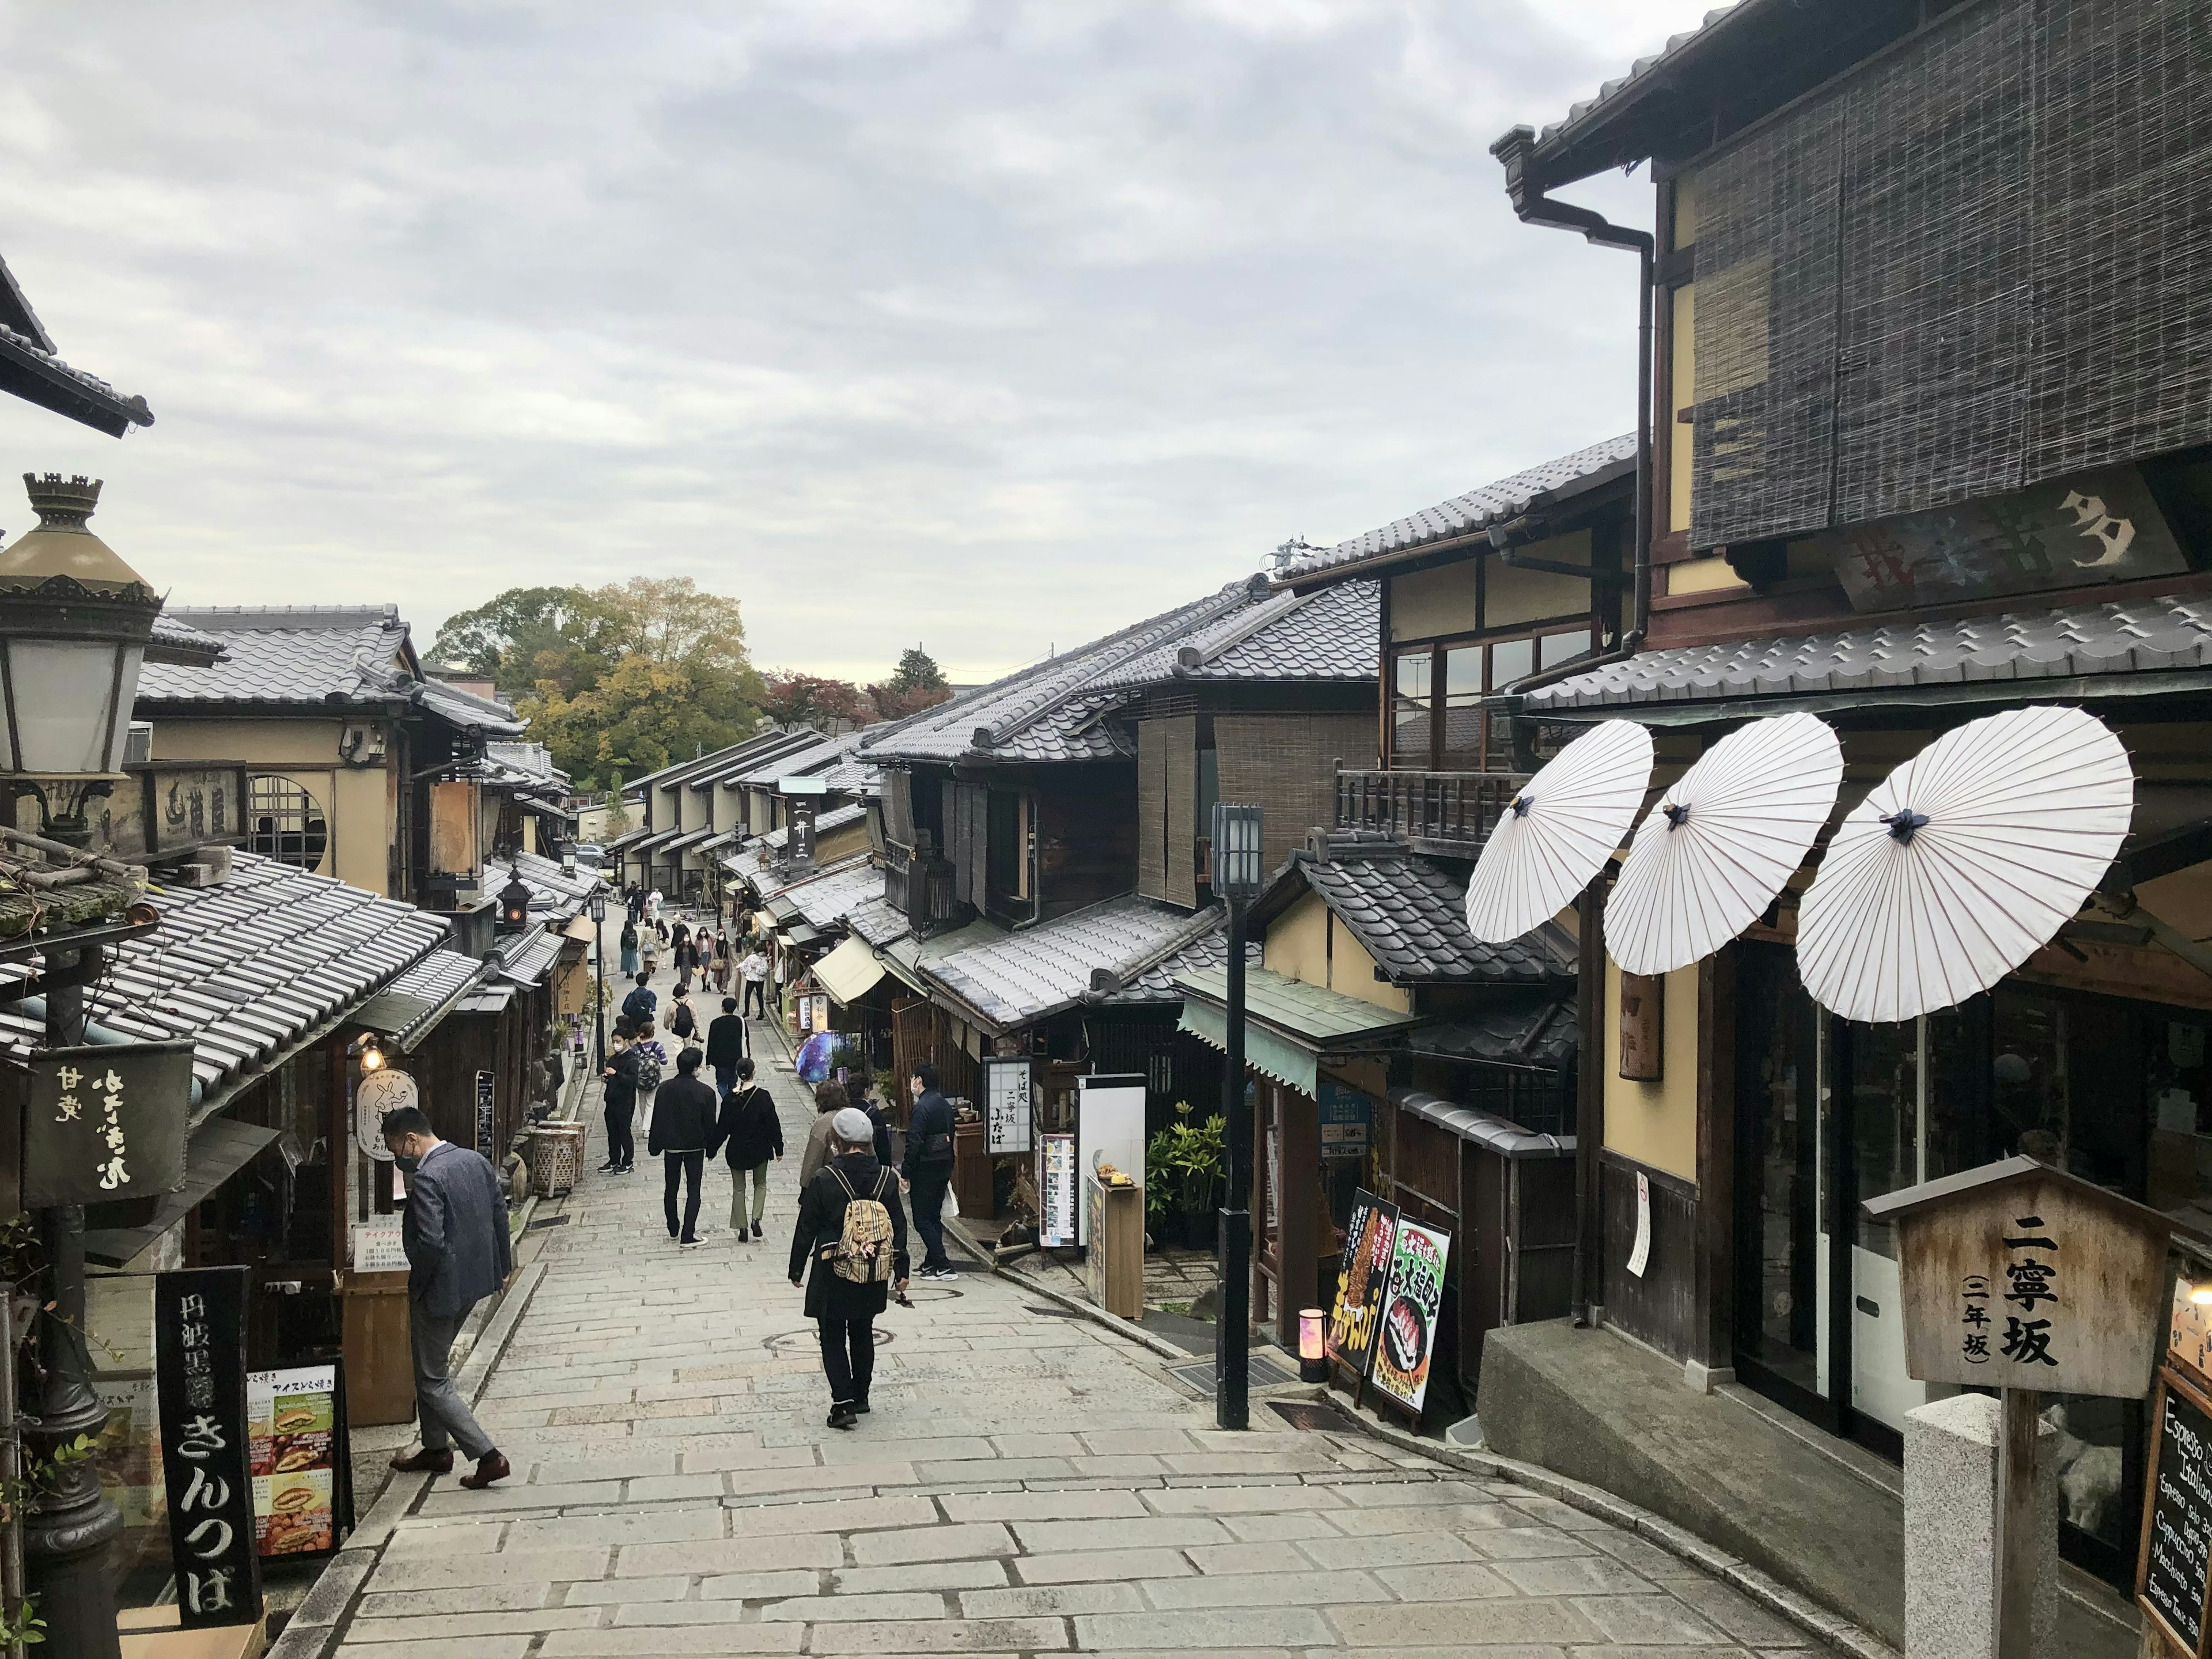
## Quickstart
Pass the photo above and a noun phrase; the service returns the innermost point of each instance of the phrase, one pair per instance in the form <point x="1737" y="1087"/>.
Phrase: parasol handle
<point x="1522" y="803"/>
<point x="1903" y="823"/>
<point x="1678" y="814"/>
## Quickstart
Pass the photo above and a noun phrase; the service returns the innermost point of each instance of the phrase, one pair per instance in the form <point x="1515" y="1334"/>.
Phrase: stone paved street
<point x="1026" y="1484"/>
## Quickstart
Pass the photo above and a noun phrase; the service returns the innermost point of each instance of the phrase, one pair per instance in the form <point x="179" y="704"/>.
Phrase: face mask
<point x="409" y="1164"/>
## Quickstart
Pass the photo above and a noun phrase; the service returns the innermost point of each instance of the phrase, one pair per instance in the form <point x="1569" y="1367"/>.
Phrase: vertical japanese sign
<point x="2007" y="1318"/>
<point x="106" y="1122"/>
<point x="1364" y="1272"/>
<point x="199" y="1345"/>
<point x="484" y="1116"/>
<point x="1006" y="1087"/>
<point x="1406" y="1337"/>
<point x="1056" y="1189"/>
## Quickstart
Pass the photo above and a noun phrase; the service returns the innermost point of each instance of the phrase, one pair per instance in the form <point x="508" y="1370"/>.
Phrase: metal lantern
<point x="1236" y="857"/>
<point x="74" y="623"/>
<point x="598" y="904"/>
<point x="514" y="901"/>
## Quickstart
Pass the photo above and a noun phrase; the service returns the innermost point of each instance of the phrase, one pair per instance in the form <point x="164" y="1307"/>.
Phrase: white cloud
<point x="995" y="324"/>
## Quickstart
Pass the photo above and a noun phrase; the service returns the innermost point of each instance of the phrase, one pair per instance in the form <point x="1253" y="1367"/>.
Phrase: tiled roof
<point x="33" y="370"/>
<point x="526" y="956"/>
<point x="326" y="656"/>
<point x="1042" y="713"/>
<point x="409" y="1007"/>
<point x="731" y="765"/>
<point x="1154" y="980"/>
<point x="1037" y="971"/>
<point x="835" y="818"/>
<point x="1542" y="1034"/>
<point x="1492" y="503"/>
<point x="796" y="760"/>
<point x="1410" y="913"/>
<point x="552" y="893"/>
<point x="1332" y="634"/>
<point x="836" y="893"/>
<point x="2021" y="647"/>
<point x="1666" y="57"/>
<point x="877" y="921"/>
<point x="181" y="645"/>
<point x="247" y="968"/>
<point x="532" y="760"/>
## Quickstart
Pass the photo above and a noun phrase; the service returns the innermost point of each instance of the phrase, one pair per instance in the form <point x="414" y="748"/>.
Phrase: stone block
<point x="1574" y="1575"/>
<point x="1265" y="1589"/>
<point x="1091" y="1505"/>
<point x="1266" y="1555"/>
<point x="1054" y="1600"/>
<point x="1266" y="1527"/>
<point x="844" y="1515"/>
<point x="623" y="1643"/>
<point x="760" y="1586"/>
<point x="449" y="1627"/>
<point x="987" y="1573"/>
<point x="616" y="1528"/>
<point x="1950" y="1529"/>
<point x="1006" y="1636"/>
<point x="944" y="1542"/>
<point x="824" y="1609"/>
<point x="1449" y="1581"/>
<point x="474" y="1598"/>
<point x="607" y="1592"/>
<point x="332" y="1593"/>
<point x="456" y="1647"/>
<point x="1209" y="1629"/>
<point x="1167" y="1531"/>
<point x="507" y="1567"/>
<point x="753" y="1554"/>
<point x="657" y="1488"/>
<point x="1652" y="1620"/>
<point x="1096" y="1565"/>
<point x="1405" y="1549"/>
<point x="1450" y="1626"/>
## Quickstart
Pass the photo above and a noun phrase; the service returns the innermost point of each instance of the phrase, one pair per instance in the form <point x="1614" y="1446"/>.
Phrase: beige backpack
<point x="862" y="1253"/>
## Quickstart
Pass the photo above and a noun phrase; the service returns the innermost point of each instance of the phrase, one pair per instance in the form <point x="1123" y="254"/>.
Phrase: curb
<point x="315" y="1626"/>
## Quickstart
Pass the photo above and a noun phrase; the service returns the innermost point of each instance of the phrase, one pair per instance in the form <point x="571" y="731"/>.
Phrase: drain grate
<point x="1259" y="1372"/>
<point x="547" y="1221"/>
<point x="1053" y="1313"/>
<point x="1303" y="1414"/>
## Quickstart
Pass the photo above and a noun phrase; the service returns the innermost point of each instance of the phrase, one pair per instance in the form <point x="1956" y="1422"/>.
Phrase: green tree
<point x="917" y="671"/>
<point x="526" y="634"/>
<point x="915" y="685"/>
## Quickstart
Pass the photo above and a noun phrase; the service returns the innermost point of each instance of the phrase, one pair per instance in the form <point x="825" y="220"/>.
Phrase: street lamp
<point x="598" y="904"/>
<point x="1237" y="874"/>
<point x="75" y="620"/>
<point x="514" y="900"/>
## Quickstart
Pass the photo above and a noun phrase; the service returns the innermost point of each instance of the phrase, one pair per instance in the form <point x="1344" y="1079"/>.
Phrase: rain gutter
<point x="1685" y="711"/>
<point x="1533" y="207"/>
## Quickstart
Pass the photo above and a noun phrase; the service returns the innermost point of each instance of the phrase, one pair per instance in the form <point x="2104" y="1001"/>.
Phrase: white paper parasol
<point x="1718" y="846"/>
<point x="1963" y="862"/>
<point x="1559" y="831"/>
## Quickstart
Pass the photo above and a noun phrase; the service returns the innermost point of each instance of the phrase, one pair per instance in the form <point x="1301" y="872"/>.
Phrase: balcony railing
<point x="918" y="886"/>
<point x="1450" y="812"/>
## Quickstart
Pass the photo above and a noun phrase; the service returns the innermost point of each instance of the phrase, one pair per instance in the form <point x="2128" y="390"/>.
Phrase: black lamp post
<point x="599" y="903"/>
<point x="1236" y="875"/>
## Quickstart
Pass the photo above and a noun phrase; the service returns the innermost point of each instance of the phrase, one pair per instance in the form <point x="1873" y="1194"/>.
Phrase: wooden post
<point x="2017" y="1554"/>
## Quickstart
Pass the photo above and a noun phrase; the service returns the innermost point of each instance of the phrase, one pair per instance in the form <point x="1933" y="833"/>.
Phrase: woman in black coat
<point x="751" y="1127"/>
<point x="845" y="1312"/>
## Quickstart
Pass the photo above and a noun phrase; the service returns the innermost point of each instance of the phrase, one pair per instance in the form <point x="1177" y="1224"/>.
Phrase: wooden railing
<point x="918" y="886"/>
<point x="1445" y="812"/>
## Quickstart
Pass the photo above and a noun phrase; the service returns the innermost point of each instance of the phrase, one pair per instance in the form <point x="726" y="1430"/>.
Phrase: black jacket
<point x="640" y="1004"/>
<point x="725" y="1041"/>
<point x="933" y="1120"/>
<point x="682" y="1116"/>
<point x="883" y="1132"/>
<point x="822" y="1222"/>
<point x="683" y="1025"/>
<point x="750" y="1124"/>
<point x="621" y="1087"/>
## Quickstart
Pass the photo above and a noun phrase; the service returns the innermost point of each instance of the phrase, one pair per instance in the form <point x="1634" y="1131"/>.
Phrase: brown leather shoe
<point x="425" y="1462"/>
<point x="490" y="1467"/>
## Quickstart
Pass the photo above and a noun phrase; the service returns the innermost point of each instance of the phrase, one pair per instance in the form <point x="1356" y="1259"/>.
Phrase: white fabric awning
<point x="848" y="971"/>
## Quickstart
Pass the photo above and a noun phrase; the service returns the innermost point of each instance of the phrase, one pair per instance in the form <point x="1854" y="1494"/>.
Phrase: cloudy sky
<point x="989" y="325"/>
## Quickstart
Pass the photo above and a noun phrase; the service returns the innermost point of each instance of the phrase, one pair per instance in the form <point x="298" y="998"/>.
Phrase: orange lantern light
<point x="1313" y="1359"/>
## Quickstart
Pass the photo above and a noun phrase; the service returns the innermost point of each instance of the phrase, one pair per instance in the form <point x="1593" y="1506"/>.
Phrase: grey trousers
<point x="758" y="1176"/>
<point x="444" y="1417"/>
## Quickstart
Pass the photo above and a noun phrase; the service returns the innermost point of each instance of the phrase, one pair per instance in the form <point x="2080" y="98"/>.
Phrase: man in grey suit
<point x="457" y="1255"/>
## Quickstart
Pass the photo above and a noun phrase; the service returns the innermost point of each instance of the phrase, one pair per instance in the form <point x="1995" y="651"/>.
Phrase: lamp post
<point x="74" y="623"/>
<point x="1236" y="876"/>
<point x="599" y="958"/>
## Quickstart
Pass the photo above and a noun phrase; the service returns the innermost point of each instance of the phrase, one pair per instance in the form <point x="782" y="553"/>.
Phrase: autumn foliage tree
<point x="915" y="685"/>
<point x="793" y="699"/>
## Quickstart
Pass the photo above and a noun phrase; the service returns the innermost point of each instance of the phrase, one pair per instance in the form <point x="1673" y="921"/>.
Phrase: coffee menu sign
<point x="2175" y="1569"/>
<point x="199" y="1347"/>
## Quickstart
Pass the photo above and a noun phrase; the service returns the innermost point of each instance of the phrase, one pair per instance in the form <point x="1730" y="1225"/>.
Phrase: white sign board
<point x="1639" y="1254"/>
<point x="1006" y="1089"/>
<point x="1056" y="1189"/>
<point x="380" y="1092"/>
<point x="1110" y="1127"/>
<point x="377" y="1248"/>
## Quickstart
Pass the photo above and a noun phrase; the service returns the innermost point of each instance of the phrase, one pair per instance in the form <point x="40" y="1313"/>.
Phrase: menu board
<point x="2170" y="1578"/>
<point x="1056" y="1189"/>
<point x="300" y="1464"/>
<point x="2189" y="1335"/>
<point x="1405" y="1335"/>
<point x="1360" y="1280"/>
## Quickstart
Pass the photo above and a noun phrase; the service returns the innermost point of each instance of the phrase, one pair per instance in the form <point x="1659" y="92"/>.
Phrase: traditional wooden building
<point x="1926" y="442"/>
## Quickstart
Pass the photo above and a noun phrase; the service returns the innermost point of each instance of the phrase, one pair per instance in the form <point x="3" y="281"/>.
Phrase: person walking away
<point x="721" y="962"/>
<point x="683" y="1023"/>
<point x="755" y="970"/>
<point x="875" y="1111"/>
<point x="727" y="1046"/>
<point x="630" y="949"/>
<point x="830" y="1099"/>
<point x="649" y="951"/>
<point x="928" y="1170"/>
<point x="853" y="1229"/>
<point x="618" y="1096"/>
<point x="642" y="1004"/>
<point x="683" y="1128"/>
<point x="455" y="1236"/>
<point x="652" y="1068"/>
<point x="754" y="1133"/>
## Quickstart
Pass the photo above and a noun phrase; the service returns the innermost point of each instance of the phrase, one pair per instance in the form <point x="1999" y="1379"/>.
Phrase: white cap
<point x="852" y="1127"/>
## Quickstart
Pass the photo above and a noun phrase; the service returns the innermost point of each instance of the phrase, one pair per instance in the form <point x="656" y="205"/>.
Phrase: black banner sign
<point x="486" y="1101"/>
<point x="199" y="1349"/>
<point x="106" y="1122"/>
<point x="1369" y="1244"/>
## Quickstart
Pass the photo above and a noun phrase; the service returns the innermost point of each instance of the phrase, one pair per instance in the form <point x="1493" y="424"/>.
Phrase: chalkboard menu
<point x="2177" y="1544"/>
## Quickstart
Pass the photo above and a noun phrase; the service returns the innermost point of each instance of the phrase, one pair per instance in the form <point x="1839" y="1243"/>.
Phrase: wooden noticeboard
<point x="2173" y="1568"/>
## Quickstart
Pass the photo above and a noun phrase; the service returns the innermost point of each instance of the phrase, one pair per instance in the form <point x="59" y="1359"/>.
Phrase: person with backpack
<point x="651" y="1065"/>
<point x="642" y="1004"/>
<point x="683" y="1023"/>
<point x="753" y="1131"/>
<point x="683" y="1128"/>
<point x="852" y="1227"/>
<point x="630" y="949"/>
<point x="928" y="1167"/>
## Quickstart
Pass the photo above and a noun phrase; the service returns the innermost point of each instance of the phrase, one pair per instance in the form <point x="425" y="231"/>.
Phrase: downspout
<point x="1534" y="208"/>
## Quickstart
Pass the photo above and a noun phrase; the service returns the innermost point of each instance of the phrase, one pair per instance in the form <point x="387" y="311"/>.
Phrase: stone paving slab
<point x="1024" y="1485"/>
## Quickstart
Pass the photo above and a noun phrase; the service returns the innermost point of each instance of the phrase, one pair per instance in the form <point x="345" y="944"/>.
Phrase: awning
<point x="218" y="1150"/>
<point x="848" y="972"/>
<point x="582" y="928"/>
<point x="1288" y="1024"/>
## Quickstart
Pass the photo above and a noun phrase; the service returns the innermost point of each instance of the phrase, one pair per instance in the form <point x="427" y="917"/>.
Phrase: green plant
<point x="1182" y="1165"/>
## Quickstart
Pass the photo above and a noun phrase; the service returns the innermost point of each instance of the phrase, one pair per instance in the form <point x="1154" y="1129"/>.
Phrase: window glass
<point x="1557" y="648"/>
<point x="1462" y="711"/>
<point x="1512" y="660"/>
<point x="285" y="822"/>
<point x="1412" y="717"/>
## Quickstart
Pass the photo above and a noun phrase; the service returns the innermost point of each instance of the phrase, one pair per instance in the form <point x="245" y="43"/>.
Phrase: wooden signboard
<point x="1642" y="1027"/>
<point x="2172" y="1576"/>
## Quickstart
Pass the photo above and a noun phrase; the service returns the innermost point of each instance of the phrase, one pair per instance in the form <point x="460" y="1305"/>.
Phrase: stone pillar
<point x="1950" y="1530"/>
